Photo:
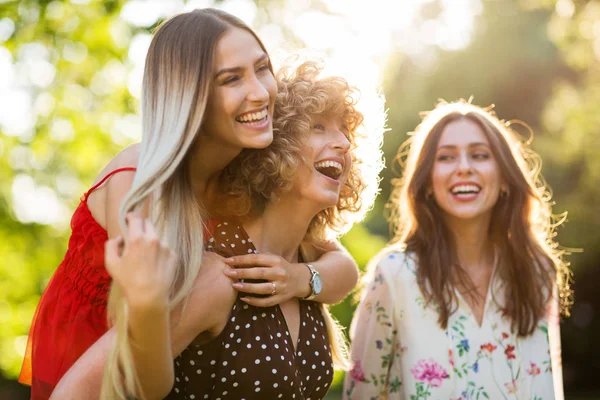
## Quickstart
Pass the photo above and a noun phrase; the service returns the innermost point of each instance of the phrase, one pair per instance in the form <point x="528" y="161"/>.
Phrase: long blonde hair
<point x="522" y="226"/>
<point x="176" y="87"/>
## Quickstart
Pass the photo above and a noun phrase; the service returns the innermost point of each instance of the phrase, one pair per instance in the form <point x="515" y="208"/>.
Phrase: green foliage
<point x="72" y="138"/>
<point x="537" y="60"/>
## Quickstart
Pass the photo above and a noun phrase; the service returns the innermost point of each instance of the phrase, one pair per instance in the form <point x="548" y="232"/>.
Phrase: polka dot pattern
<point x="252" y="357"/>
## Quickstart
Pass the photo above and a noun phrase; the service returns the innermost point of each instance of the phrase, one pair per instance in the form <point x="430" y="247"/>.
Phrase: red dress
<point x="71" y="314"/>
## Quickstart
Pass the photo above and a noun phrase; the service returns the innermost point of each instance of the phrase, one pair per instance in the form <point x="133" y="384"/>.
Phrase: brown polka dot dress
<point x="254" y="358"/>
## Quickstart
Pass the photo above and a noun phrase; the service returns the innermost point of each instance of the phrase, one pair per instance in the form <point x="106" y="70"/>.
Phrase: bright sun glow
<point x="354" y="37"/>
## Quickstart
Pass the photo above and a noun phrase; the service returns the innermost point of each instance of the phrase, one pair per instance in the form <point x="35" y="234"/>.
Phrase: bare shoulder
<point x="394" y="263"/>
<point x="215" y="288"/>
<point x="209" y="303"/>
<point x="104" y="202"/>
<point x="128" y="157"/>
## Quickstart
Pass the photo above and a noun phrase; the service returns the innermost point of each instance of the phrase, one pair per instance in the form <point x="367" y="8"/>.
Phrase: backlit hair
<point x="177" y="82"/>
<point x="259" y="176"/>
<point x="522" y="225"/>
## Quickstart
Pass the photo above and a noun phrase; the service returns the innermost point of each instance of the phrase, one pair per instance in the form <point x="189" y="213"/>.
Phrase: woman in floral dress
<point x="464" y="303"/>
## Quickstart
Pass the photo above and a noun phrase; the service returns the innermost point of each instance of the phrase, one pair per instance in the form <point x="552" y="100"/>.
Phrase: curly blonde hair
<point x="259" y="176"/>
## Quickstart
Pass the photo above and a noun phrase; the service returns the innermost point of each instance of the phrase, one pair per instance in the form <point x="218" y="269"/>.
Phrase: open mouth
<point x="254" y="118"/>
<point x="331" y="169"/>
<point x="465" y="190"/>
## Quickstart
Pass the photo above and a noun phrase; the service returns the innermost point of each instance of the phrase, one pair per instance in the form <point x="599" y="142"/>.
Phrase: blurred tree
<point x="537" y="60"/>
<point x="71" y="60"/>
<point x="571" y="120"/>
<point x="74" y="61"/>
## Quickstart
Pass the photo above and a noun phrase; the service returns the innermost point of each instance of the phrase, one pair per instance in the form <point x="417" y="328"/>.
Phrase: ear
<point x="504" y="189"/>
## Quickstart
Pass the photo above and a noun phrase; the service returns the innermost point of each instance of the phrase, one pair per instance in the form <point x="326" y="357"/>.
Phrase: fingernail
<point x="237" y="285"/>
<point x="230" y="259"/>
<point x="230" y="272"/>
<point x="246" y="299"/>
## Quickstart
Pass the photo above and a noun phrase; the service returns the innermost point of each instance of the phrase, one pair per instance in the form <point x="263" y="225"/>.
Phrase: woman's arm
<point x="210" y="300"/>
<point x="142" y="271"/>
<point x="375" y="346"/>
<point x="338" y="270"/>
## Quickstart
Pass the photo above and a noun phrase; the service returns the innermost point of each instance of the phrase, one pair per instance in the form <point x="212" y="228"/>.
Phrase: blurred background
<point x="70" y="77"/>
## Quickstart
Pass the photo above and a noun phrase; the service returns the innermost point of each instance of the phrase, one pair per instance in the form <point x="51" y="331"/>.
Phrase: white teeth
<point x="465" y="189"/>
<point x="325" y="164"/>
<point x="251" y="117"/>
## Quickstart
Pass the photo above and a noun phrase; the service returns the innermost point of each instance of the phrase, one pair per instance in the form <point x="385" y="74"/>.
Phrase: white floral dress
<point x="400" y="352"/>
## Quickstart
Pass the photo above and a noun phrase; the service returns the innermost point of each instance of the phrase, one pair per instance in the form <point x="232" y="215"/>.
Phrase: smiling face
<point x="327" y="163"/>
<point x="466" y="179"/>
<point x="240" y="108"/>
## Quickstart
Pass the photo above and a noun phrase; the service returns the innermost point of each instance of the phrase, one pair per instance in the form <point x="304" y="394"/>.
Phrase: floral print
<point x="400" y="352"/>
<point x="429" y="372"/>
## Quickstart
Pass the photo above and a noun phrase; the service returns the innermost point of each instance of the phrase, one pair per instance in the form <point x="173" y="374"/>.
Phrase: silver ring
<point x="274" y="289"/>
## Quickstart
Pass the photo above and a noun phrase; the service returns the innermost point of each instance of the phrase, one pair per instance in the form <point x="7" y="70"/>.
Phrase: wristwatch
<point x="316" y="284"/>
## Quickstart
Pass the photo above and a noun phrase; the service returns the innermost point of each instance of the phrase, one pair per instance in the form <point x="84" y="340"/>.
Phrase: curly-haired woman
<point x="307" y="185"/>
<point x="464" y="303"/>
<point x="208" y="93"/>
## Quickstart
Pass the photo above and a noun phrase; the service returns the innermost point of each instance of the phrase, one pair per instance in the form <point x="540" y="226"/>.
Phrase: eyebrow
<point x="239" y="69"/>
<point x="452" y="147"/>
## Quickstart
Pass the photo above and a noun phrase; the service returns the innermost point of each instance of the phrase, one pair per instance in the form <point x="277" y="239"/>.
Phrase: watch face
<point x="317" y="284"/>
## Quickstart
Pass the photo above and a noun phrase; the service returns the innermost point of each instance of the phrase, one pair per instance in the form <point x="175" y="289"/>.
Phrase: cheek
<point x="440" y="175"/>
<point x="270" y="85"/>
<point x="228" y="101"/>
<point x="347" y="166"/>
<point x="491" y="173"/>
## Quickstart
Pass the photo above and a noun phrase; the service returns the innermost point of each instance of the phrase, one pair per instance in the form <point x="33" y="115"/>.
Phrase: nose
<point x="464" y="164"/>
<point x="257" y="92"/>
<point x="340" y="141"/>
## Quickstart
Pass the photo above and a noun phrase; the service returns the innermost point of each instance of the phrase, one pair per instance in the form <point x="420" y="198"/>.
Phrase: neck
<point x="205" y="165"/>
<point x="473" y="246"/>
<point x="282" y="227"/>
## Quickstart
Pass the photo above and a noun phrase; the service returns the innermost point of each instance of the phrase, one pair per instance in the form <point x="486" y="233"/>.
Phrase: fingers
<point x="112" y="253"/>
<point x="262" y="273"/>
<point x="267" y="288"/>
<point x="135" y="226"/>
<point x="264" y="301"/>
<point x="250" y="260"/>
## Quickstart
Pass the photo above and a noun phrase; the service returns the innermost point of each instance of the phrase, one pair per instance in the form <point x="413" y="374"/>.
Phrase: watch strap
<point x="313" y="273"/>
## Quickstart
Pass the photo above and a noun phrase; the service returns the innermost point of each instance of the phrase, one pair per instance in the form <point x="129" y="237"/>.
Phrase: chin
<point x="466" y="215"/>
<point x="260" y="141"/>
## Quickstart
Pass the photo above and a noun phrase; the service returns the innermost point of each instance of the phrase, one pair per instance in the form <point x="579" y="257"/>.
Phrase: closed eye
<point x="263" y="67"/>
<point x="231" y="79"/>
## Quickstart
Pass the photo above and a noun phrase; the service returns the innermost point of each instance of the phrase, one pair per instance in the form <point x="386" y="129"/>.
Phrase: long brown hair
<point x="176" y="89"/>
<point x="521" y="228"/>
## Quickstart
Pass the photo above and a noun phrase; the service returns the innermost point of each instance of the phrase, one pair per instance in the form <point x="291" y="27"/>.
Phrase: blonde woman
<point x="208" y="93"/>
<point x="309" y="183"/>
<point x="465" y="303"/>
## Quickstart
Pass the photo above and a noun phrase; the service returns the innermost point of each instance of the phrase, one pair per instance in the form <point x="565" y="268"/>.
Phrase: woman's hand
<point x="141" y="265"/>
<point x="284" y="280"/>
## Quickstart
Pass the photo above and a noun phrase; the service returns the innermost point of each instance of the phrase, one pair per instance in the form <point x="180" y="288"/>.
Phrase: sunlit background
<point x="70" y="82"/>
